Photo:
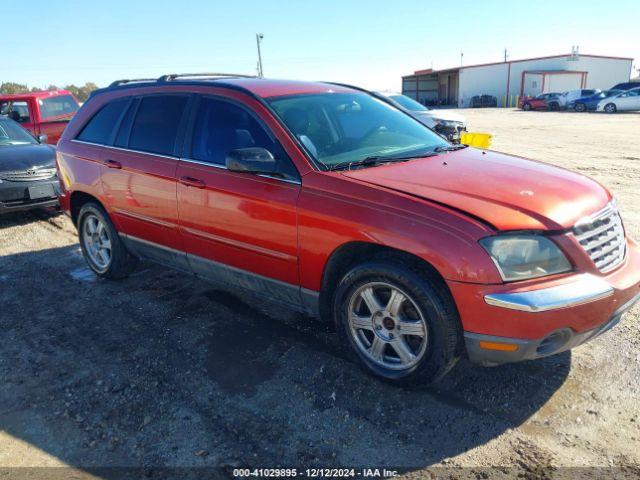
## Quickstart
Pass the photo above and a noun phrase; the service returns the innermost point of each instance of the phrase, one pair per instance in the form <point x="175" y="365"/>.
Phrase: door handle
<point x="112" y="164"/>
<point x="192" y="182"/>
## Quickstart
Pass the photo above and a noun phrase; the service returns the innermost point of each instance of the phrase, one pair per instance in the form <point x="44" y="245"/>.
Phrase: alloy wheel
<point x="387" y="326"/>
<point x="97" y="243"/>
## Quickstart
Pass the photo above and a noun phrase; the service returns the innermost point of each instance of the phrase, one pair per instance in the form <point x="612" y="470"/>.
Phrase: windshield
<point x="409" y="103"/>
<point x="609" y="93"/>
<point x="13" y="134"/>
<point x="339" y="128"/>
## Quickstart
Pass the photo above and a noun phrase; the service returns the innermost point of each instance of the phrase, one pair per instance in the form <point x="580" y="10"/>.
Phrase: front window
<point x="13" y="134"/>
<point x="340" y="128"/>
<point x="408" y="103"/>
<point x="59" y="106"/>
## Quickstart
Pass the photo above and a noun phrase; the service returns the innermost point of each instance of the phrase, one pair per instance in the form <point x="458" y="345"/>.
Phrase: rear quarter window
<point x="99" y="128"/>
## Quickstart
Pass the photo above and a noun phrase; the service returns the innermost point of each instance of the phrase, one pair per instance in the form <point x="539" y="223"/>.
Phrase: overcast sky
<point x="368" y="43"/>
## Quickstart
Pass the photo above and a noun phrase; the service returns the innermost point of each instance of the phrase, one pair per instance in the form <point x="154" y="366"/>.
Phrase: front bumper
<point x="509" y="322"/>
<point x="509" y="350"/>
<point x="15" y="196"/>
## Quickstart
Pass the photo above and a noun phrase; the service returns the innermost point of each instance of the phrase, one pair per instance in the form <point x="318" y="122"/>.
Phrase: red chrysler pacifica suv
<point x="329" y="199"/>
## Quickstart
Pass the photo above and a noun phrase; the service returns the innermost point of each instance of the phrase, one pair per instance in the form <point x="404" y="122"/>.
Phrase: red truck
<point x="42" y="113"/>
<point x="333" y="201"/>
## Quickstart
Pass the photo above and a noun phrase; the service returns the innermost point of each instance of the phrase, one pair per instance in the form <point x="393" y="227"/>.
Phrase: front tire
<point x="554" y="106"/>
<point x="400" y="323"/>
<point x="526" y="107"/>
<point x="610" y="108"/>
<point x="102" y="248"/>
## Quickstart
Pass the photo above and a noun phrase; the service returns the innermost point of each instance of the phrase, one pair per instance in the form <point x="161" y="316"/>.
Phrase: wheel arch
<point x="77" y="200"/>
<point x="349" y="254"/>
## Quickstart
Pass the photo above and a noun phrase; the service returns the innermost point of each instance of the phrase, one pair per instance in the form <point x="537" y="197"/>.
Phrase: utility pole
<point x="259" y="37"/>
<point x="505" y="55"/>
<point x="461" y="57"/>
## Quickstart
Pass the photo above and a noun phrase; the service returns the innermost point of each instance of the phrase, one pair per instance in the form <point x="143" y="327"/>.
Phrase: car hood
<point x="21" y="157"/>
<point x="510" y="193"/>
<point x="441" y="115"/>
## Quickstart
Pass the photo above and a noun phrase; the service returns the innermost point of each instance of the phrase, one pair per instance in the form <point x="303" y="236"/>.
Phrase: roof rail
<point x="132" y="80"/>
<point x="174" y="76"/>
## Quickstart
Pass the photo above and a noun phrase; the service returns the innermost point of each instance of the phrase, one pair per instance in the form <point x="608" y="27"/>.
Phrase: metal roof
<point x="430" y="71"/>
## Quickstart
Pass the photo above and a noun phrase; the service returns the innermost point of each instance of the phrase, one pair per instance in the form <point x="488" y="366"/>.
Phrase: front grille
<point x="28" y="175"/>
<point x="602" y="237"/>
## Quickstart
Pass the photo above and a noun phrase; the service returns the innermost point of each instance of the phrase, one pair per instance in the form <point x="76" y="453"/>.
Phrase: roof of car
<point x="267" y="87"/>
<point x="259" y="87"/>
<point x="39" y="94"/>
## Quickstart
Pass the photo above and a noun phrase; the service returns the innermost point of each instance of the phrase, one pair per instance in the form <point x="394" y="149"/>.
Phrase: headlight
<point x="520" y="257"/>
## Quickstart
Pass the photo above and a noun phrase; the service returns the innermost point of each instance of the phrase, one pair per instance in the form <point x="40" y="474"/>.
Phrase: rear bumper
<point x="509" y="322"/>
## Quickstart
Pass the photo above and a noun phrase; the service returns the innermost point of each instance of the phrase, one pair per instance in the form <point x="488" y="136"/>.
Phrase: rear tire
<point x="526" y="107"/>
<point x="399" y="322"/>
<point x="554" y="106"/>
<point x="610" y="108"/>
<point x="580" y="107"/>
<point x="103" y="250"/>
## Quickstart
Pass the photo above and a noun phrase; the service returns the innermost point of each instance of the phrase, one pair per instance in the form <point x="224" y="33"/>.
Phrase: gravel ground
<point x="163" y="370"/>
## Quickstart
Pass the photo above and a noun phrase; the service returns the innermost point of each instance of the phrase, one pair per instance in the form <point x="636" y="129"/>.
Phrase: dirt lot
<point x="163" y="370"/>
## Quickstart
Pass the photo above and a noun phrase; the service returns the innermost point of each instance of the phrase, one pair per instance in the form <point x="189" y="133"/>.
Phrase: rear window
<point x="155" y="127"/>
<point x="60" y="106"/>
<point x="100" y="127"/>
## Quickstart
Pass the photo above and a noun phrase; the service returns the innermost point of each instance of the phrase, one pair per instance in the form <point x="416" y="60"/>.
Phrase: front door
<point x="138" y="176"/>
<point x="238" y="228"/>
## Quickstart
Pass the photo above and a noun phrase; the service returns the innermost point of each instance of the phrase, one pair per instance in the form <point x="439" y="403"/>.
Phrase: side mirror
<point x="43" y="138"/>
<point x="251" y="160"/>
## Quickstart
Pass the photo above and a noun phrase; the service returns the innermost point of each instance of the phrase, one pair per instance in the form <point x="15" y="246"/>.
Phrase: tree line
<point x="81" y="93"/>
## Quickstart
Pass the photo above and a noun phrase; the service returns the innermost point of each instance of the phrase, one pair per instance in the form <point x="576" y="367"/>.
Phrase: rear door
<point x="138" y="175"/>
<point x="240" y="228"/>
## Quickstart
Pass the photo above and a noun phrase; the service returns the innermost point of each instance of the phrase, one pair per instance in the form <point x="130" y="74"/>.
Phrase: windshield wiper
<point x="450" y="148"/>
<point x="376" y="160"/>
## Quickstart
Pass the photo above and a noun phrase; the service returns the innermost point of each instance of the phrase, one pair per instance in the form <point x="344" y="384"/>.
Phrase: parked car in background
<point x="539" y="102"/>
<point x="27" y="170"/>
<point x="483" y="101"/>
<point x="626" y="86"/>
<point x="564" y="98"/>
<point x="42" y="113"/>
<point x="624" y="101"/>
<point x="590" y="102"/>
<point x="445" y="122"/>
<point x="326" y="199"/>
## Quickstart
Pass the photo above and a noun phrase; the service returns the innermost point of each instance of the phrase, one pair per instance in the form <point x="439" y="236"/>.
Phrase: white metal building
<point x="508" y="80"/>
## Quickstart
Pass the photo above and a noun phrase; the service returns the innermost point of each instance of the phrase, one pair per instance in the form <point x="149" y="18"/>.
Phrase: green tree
<point x="12" y="87"/>
<point x="82" y="93"/>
